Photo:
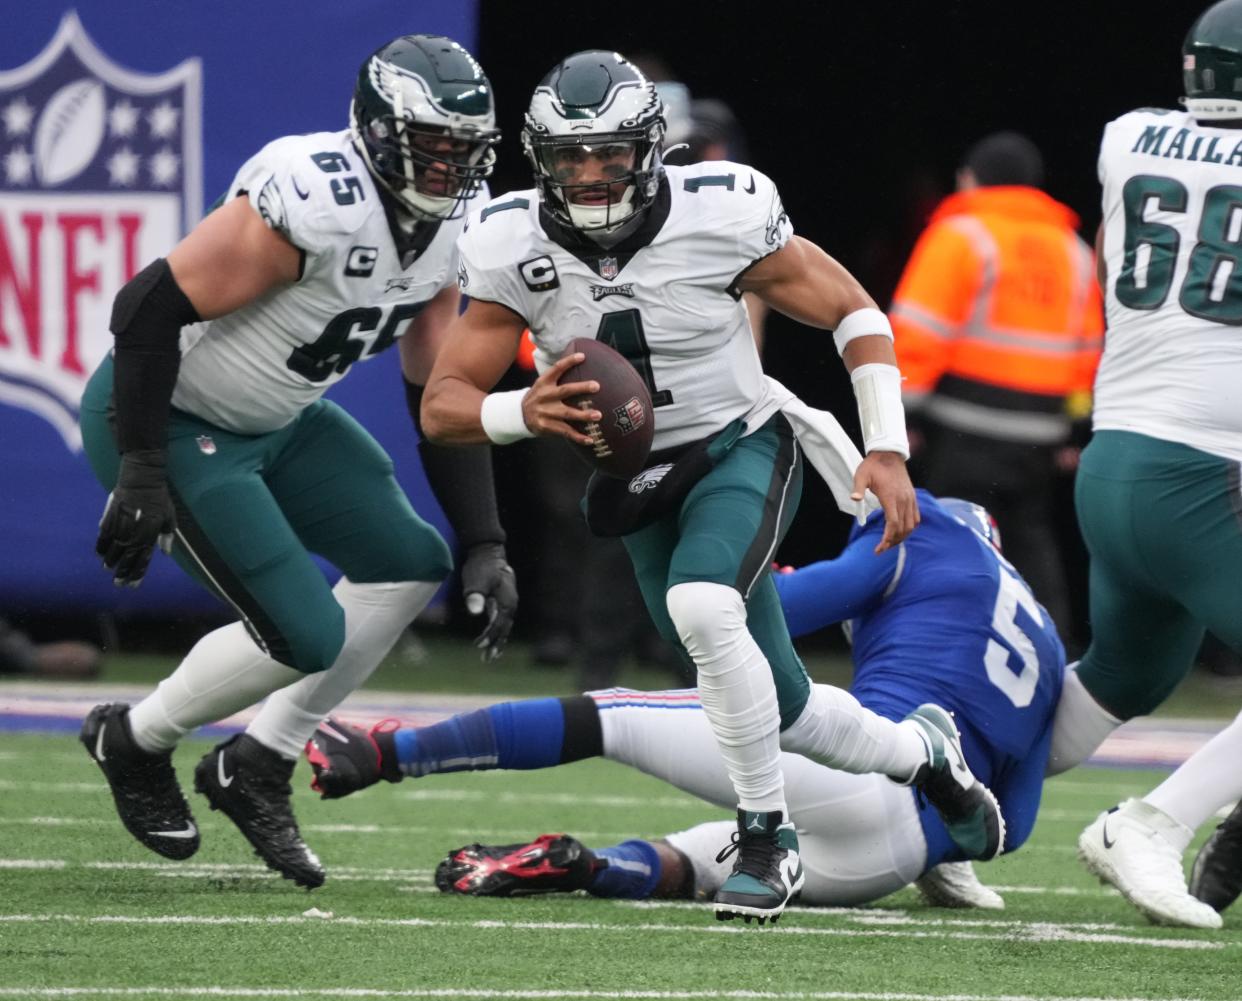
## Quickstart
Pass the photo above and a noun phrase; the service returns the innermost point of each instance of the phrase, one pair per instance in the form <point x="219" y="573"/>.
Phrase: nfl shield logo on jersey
<point x="101" y="172"/>
<point x="206" y="444"/>
<point x="608" y="268"/>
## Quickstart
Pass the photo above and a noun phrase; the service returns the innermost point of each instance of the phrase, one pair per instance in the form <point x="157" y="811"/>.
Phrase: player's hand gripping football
<point x="490" y="589"/>
<point x="138" y="516"/>
<point x="884" y="473"/>
<point x="545" y="409"/>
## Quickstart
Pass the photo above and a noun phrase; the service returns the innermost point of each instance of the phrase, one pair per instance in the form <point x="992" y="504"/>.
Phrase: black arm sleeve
<point x="461" y="476"/>
<point x="147" y="317"/>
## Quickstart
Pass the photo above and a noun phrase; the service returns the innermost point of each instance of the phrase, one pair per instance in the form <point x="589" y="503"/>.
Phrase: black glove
<point x="139" y="514"/>
<point x="488" y="584"/>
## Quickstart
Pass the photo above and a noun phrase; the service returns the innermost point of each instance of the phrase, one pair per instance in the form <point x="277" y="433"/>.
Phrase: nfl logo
<point x="608" y="268"/>
<point x="206" y="444"/>
<point x="101" y="172"/>
<point x="629" y="416"/>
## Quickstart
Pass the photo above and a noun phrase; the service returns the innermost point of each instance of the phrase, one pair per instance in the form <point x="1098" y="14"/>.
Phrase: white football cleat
<point x="1133" y="847"/>
<point x="954" y="884"/>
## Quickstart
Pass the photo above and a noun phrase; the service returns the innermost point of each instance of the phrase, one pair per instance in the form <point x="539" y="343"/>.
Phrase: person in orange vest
<point x="998" y="330"/>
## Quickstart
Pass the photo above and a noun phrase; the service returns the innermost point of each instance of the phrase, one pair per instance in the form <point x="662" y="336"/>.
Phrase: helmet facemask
<point x="432" y="171"/>
<point x="596" y="182"/>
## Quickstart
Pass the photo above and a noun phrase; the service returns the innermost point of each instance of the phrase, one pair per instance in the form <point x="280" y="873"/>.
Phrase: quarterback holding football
<point x="653" y="260"/>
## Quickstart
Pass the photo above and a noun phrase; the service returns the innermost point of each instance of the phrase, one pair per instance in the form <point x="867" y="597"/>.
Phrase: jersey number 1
<point x="623" y="332"/>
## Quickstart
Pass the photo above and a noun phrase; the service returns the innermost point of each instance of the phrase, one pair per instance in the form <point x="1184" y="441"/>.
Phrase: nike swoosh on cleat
<point x="225" y="780"/>
<point x="99" y="751"/>
<point x="1107" y="843"/>
<point x="189" y="831"/>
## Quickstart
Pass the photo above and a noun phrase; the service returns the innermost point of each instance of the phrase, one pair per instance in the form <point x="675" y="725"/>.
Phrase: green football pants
<point x="726" y="532"/>
<point x="252" y="508"/>
<point x="1163" y="526"/>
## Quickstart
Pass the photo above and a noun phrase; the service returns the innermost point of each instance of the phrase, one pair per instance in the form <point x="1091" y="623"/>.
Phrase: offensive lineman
<point x="654" y="261"/>
<point x="327" y="248"/>
<point x="943" y="618"/>
<point x="1158" y="493"/>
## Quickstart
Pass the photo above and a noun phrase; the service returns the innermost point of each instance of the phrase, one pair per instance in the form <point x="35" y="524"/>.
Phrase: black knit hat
<point x="1005" y="158"/>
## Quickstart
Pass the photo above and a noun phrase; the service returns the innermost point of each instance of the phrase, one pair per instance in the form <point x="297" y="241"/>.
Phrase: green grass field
<point x="87" y="912"/>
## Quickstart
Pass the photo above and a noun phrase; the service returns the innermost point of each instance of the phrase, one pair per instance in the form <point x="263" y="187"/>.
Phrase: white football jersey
<point x="1172" y="360"/>
<point x="255" y="369"/>
<point x="664" y="296"/>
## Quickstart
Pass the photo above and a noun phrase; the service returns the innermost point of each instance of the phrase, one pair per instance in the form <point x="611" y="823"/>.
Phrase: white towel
<point x="828" y="448"/>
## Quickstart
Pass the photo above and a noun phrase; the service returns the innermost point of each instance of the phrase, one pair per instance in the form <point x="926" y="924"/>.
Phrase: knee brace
<point x="707" y="617"/>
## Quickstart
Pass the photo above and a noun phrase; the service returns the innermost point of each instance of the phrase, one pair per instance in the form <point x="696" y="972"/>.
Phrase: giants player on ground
<point x="941" y="618"/>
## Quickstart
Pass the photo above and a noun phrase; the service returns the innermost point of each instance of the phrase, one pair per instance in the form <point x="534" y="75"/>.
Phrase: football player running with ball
<point x="208" y="427"/>
<point x="1158" y="491"/>
<point x="653" y="260"/>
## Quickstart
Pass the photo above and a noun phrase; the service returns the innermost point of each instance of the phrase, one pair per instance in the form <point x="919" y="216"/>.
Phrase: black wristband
<point x="147" y="317"/>
<point x="461" y="477"/>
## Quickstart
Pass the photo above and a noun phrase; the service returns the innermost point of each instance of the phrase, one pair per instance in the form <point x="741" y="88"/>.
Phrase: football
<point x="622" y="440"/>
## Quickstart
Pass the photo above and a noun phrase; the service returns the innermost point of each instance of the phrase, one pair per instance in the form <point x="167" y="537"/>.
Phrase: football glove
<point x="490" y="588"/>
<point x="138" y="517"/>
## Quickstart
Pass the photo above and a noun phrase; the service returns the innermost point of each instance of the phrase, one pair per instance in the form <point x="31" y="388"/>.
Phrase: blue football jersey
<point x="945" y="618"/>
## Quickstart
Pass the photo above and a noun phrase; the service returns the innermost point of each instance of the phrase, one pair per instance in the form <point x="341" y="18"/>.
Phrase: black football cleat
<point x="249" y="784"/>
<point x="767" y="873"/>
<point x="1216" y="877"/>
<point x="552" y="863"/>
<point x="347" y="758"/>
<point x="144" y="786"/>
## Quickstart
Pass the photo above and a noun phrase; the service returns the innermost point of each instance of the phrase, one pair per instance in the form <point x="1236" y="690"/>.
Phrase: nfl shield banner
<point x="102" y="173"/>
<point x="119" y="122"/>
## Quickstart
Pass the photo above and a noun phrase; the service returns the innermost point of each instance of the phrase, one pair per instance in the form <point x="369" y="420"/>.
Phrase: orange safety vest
<point x="997" y="320"/>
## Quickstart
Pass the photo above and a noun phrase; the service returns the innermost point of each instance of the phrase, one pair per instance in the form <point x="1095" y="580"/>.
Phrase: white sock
<point x="836" y="730"/>
<point x="736" y="689"/>
<point x="1079" y="727"/>
<point x="224" y="673"/>
<point x="375" y="617"/>
<point x="1206" y="781"/>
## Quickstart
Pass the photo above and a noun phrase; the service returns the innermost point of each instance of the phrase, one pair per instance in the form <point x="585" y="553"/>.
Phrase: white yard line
<point x="533" y="994"/>
<point x="362" y="873"/>
<point x="1042" y="932"/>
<point x="551" y="798"/>
<point x="465" y="833"/>
<point x="6" y="785"/>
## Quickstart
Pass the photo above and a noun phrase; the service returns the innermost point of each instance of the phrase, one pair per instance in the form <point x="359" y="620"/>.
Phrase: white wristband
<point x="877" y="387"/>
<point x="502" y="418"/>
<point x="861" y="323"/>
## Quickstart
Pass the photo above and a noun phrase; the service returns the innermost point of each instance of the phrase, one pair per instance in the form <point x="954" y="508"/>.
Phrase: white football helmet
<point x="593" y="101"/>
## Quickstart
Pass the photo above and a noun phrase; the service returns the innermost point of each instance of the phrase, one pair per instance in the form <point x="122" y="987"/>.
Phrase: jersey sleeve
<point x="295" y="199"/>
<point x="831" y="591"/>
<point x="758" y="217"/>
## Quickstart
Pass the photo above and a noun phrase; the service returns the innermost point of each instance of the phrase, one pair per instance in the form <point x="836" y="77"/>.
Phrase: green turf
<point x="220" y="922"/>
<point x="111" y="917"/>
